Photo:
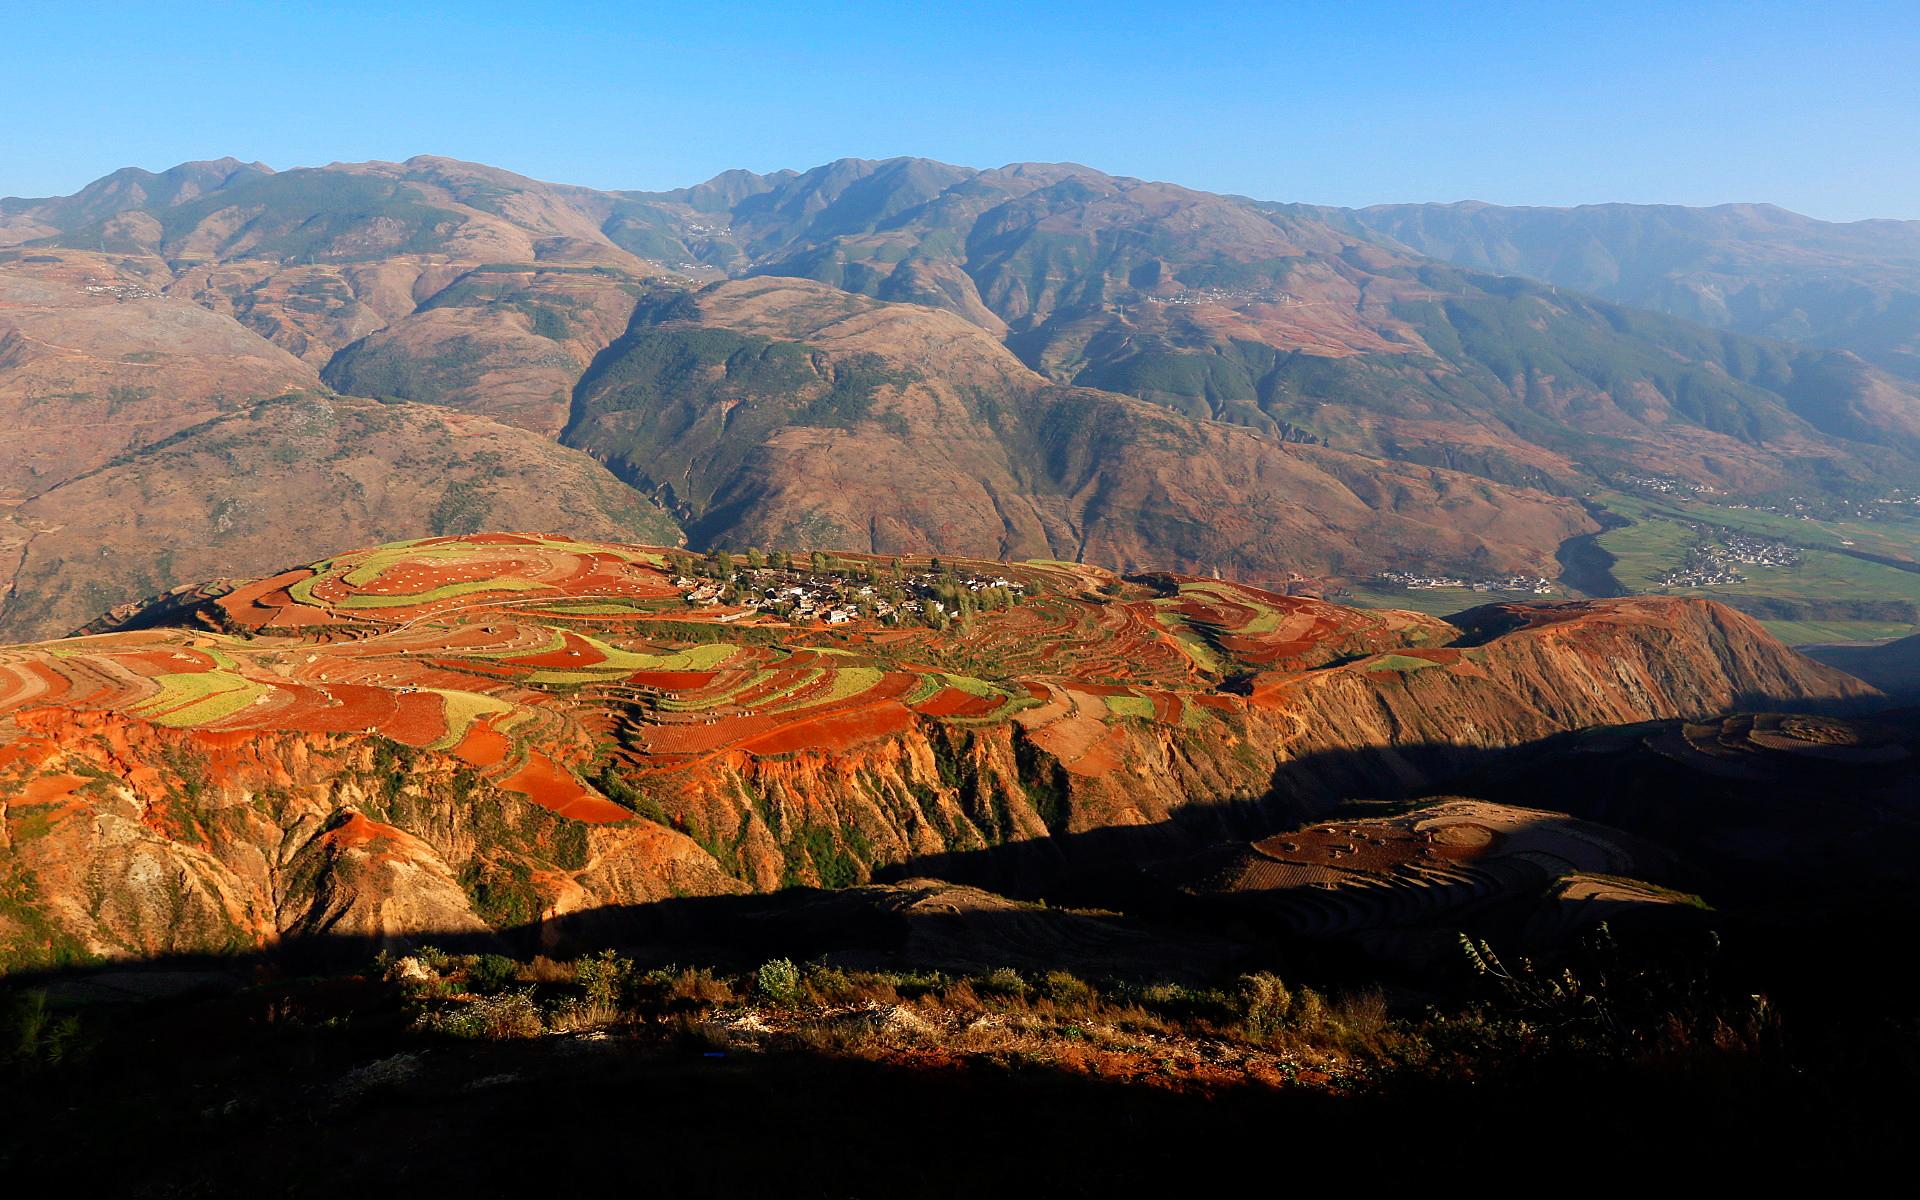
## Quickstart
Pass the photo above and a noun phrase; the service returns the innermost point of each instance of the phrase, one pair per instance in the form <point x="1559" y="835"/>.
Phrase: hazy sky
<point x="1812" y="106"/>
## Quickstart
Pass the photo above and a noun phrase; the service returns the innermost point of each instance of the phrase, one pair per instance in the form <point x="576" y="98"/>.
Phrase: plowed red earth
<point x="549" y="785"/>
<point x="952" y="702"/>
<point x="257" y="605"/>
<point x="838" y="731"/>
<point x="575" y="651"/>
<point x="419" y="719"/>
<point x="482" y="746"/>
<point x="49" y="789"/>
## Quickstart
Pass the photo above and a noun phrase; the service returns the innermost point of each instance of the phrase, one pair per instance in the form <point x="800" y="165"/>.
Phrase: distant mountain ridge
<point x="1753" y="268"/>
<point x="126" y="189"/>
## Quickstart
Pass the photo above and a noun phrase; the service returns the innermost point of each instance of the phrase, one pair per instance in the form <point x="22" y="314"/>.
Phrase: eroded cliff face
<point x="1381" y="725"/>
<point x="121" y="836"/>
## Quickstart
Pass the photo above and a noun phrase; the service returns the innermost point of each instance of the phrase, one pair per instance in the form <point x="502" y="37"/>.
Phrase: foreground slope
<point x="501" y="730"/>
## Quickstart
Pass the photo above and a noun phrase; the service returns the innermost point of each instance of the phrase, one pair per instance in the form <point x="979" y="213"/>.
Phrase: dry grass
<point x="1258" y="1029"/>
<point x="545" y="970"/>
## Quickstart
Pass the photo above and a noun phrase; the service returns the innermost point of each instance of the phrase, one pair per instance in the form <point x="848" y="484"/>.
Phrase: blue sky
<point x="1812" y="106"/>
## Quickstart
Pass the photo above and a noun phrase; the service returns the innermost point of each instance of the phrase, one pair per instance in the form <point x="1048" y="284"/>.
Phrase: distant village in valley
<point x="833" y="591"/>
<point x="1895" y="502"/>
<point x="1719" y="559"/>
<point x="1538" y="585"/>
<point x="1664" y="485"/>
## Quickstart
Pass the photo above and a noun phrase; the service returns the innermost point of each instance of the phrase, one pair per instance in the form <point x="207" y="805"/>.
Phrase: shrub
<point x="777" y="981"/>
<point x="1266" y="1004"/>
<point x="577" y="1015"/>
<point x="601" y="977"/>
<point x="31" y="1035"/>
<point x="1064" y="987"/>
<point x="493" y="1018"/>
<point x="492" y="972"/>
<point x="434" y="959"/>
<point x="1174" y="1002"/>
<point x="831" y="985"/>
<point x="960" y="996"/>
<point x="545" y="970"/>
<point x="1002" y="982"/>
<point x="687" y="987"/>
<point x="1359" y="1022"/>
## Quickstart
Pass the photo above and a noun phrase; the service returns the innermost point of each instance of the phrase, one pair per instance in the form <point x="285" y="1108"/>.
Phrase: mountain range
<point x="1036" y="361"/>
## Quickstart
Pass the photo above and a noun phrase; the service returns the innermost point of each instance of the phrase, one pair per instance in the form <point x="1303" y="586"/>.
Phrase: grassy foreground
<point x="470" y="1071"/>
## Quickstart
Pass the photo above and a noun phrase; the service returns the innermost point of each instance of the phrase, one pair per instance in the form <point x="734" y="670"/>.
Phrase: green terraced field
<point x="1400" y="662"/>
<point x="1130" y="706"/>
<point x="446" y="592"/>
<point x="191" y="699"/>
<point x="849" y="682"/>
<point x="463" y="709"/>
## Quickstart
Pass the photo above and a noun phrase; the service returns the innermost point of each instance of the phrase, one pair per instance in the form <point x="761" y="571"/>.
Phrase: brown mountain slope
<point x="360" y="212"/>
<point x="1297" y="319"/>
<point x="509" y="342"/>
<point x="130" y="188"/>
<point x="1289" y="319"/>
<point x="94" y="359"/>
<point x="279" y="481"/>
<point x="781" y="412"/>
<point x="507" y="730"/>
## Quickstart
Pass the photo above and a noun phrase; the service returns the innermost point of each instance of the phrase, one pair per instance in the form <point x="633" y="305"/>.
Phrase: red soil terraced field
<point x="401" y="583"/>
<point x="542" y="662"/>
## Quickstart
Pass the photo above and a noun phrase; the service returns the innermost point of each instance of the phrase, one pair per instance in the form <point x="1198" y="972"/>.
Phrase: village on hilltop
<point x="836" y="591"/>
